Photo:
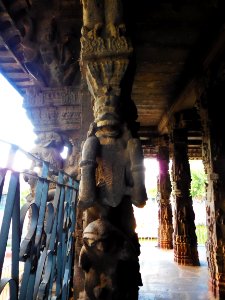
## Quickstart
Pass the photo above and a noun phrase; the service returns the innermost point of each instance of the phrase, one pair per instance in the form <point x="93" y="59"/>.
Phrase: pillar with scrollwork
<point x="185" y="239"/>
<point x="165" y="231"/>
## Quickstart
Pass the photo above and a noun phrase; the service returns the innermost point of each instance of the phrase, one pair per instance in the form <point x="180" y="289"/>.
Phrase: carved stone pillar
<point x="185" y="239"/>
<point x="165" y="231"/>
<point x="212" y="117"/>
<point x="112" y="171"/>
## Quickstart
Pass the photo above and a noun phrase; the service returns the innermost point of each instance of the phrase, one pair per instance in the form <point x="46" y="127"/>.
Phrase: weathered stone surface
<point x="112" y="171"/>
<point x="165" y="230"/>
<point x="185" y="239"/>
<point x="57" y="109"/>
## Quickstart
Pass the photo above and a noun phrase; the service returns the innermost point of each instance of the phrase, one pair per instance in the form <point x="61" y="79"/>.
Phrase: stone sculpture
<point x="112" y="170"/>
<point x="105" y="249"/>
<point x="100" y="15"/>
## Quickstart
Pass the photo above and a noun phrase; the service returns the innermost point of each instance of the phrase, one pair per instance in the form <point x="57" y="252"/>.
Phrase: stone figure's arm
<point x="139" y="195"/>
<point x="87" y="189"/>
<point x="113" y="17"/>
<point x="92" y="17"/>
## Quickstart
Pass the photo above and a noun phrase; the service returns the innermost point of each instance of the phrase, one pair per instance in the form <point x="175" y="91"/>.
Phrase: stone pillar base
<point x="184" y="253"/>
<point x="166" y="245"/>
<point x="165" y="234"/>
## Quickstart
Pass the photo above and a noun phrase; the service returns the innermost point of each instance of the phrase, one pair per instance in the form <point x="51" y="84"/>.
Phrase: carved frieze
<point x="54" y="109"/>
<point x="55" y="118"/>
<point x="99" y="47"/>
<point x="52" y="97"/>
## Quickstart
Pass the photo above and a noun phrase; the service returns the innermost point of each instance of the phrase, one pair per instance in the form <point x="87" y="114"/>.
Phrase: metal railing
<point x="42" y="234"/>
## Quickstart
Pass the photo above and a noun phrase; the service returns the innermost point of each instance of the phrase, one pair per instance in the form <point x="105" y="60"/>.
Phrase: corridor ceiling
<point x="174" y="42"/>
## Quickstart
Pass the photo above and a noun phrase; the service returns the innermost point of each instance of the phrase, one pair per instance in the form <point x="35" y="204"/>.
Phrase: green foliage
<point x="201" y="232"/>
<point x="198" y="181"/>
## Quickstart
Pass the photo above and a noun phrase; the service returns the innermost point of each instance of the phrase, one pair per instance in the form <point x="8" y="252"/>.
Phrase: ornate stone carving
<point x="105" y="251"/>
<point x="112" y="179"/>
<point x="49" y="49"/>
<point x="52" y="97"/>
<point x="54" y="109"/>
<point x="165" y="230"/>
<point x="214" y="200"/>
<point x="48" y="148"/>
<point x="72" y="163"/>
<point x="112" y="171"/>
<point x="102" y="17"/>
<point x="185" y="239"/>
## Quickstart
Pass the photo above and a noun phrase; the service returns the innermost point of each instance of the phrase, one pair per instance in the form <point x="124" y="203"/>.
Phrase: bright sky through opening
<point x="15" y="126"/>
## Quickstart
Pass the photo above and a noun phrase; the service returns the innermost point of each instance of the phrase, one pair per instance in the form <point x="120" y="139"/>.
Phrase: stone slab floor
<point x="163" y="279"/>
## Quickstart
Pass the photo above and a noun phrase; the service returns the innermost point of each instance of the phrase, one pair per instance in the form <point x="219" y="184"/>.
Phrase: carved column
<point x="112" y="172"/>
<point x="212" y="117"/>
<point x="185" y="239"/>
<point x="165" y="231"/>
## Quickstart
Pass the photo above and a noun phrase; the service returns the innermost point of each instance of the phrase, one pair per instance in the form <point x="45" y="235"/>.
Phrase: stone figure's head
<point x="101" y="237"/>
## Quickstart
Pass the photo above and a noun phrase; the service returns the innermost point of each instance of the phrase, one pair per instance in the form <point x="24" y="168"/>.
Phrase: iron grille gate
<point x="47" y="249"/>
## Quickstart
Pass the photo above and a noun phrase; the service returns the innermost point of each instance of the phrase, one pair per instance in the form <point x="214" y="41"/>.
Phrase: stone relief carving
<point x="185" y="239"/>
<point x="65" y="96"/>
<point x="165" y="229"/>
<point x="182" y="221"/>
<point x="49" y="52"/>
<point x="106" y="249"/>
<point x="108" y="178"/>
<point x="72" y="163"/>
<point x="100" y="15"/>
<point x="48" y="148"/>
<point x="58" y="52"/>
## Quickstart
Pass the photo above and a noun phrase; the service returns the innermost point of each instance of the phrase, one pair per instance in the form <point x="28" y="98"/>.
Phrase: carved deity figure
<point x="48" y="147"/>
<point x="112" y="179"/>
<point x="72" y="163"/>
<point x="182" y="221"/>
<point x="102" y="14"/>
<point x="112" y="160"/>
<point x="49" y="52"/>
<point x="107" y="250"/>
<point x="112" y="170"/>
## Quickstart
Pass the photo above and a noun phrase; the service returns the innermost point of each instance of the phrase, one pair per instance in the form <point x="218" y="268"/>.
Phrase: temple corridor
<point x="163" y="279"/>
<point x="114" y="82"/>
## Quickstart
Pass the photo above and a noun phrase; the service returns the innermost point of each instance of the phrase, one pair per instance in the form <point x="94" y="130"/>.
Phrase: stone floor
<point x="163" y="279"/>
